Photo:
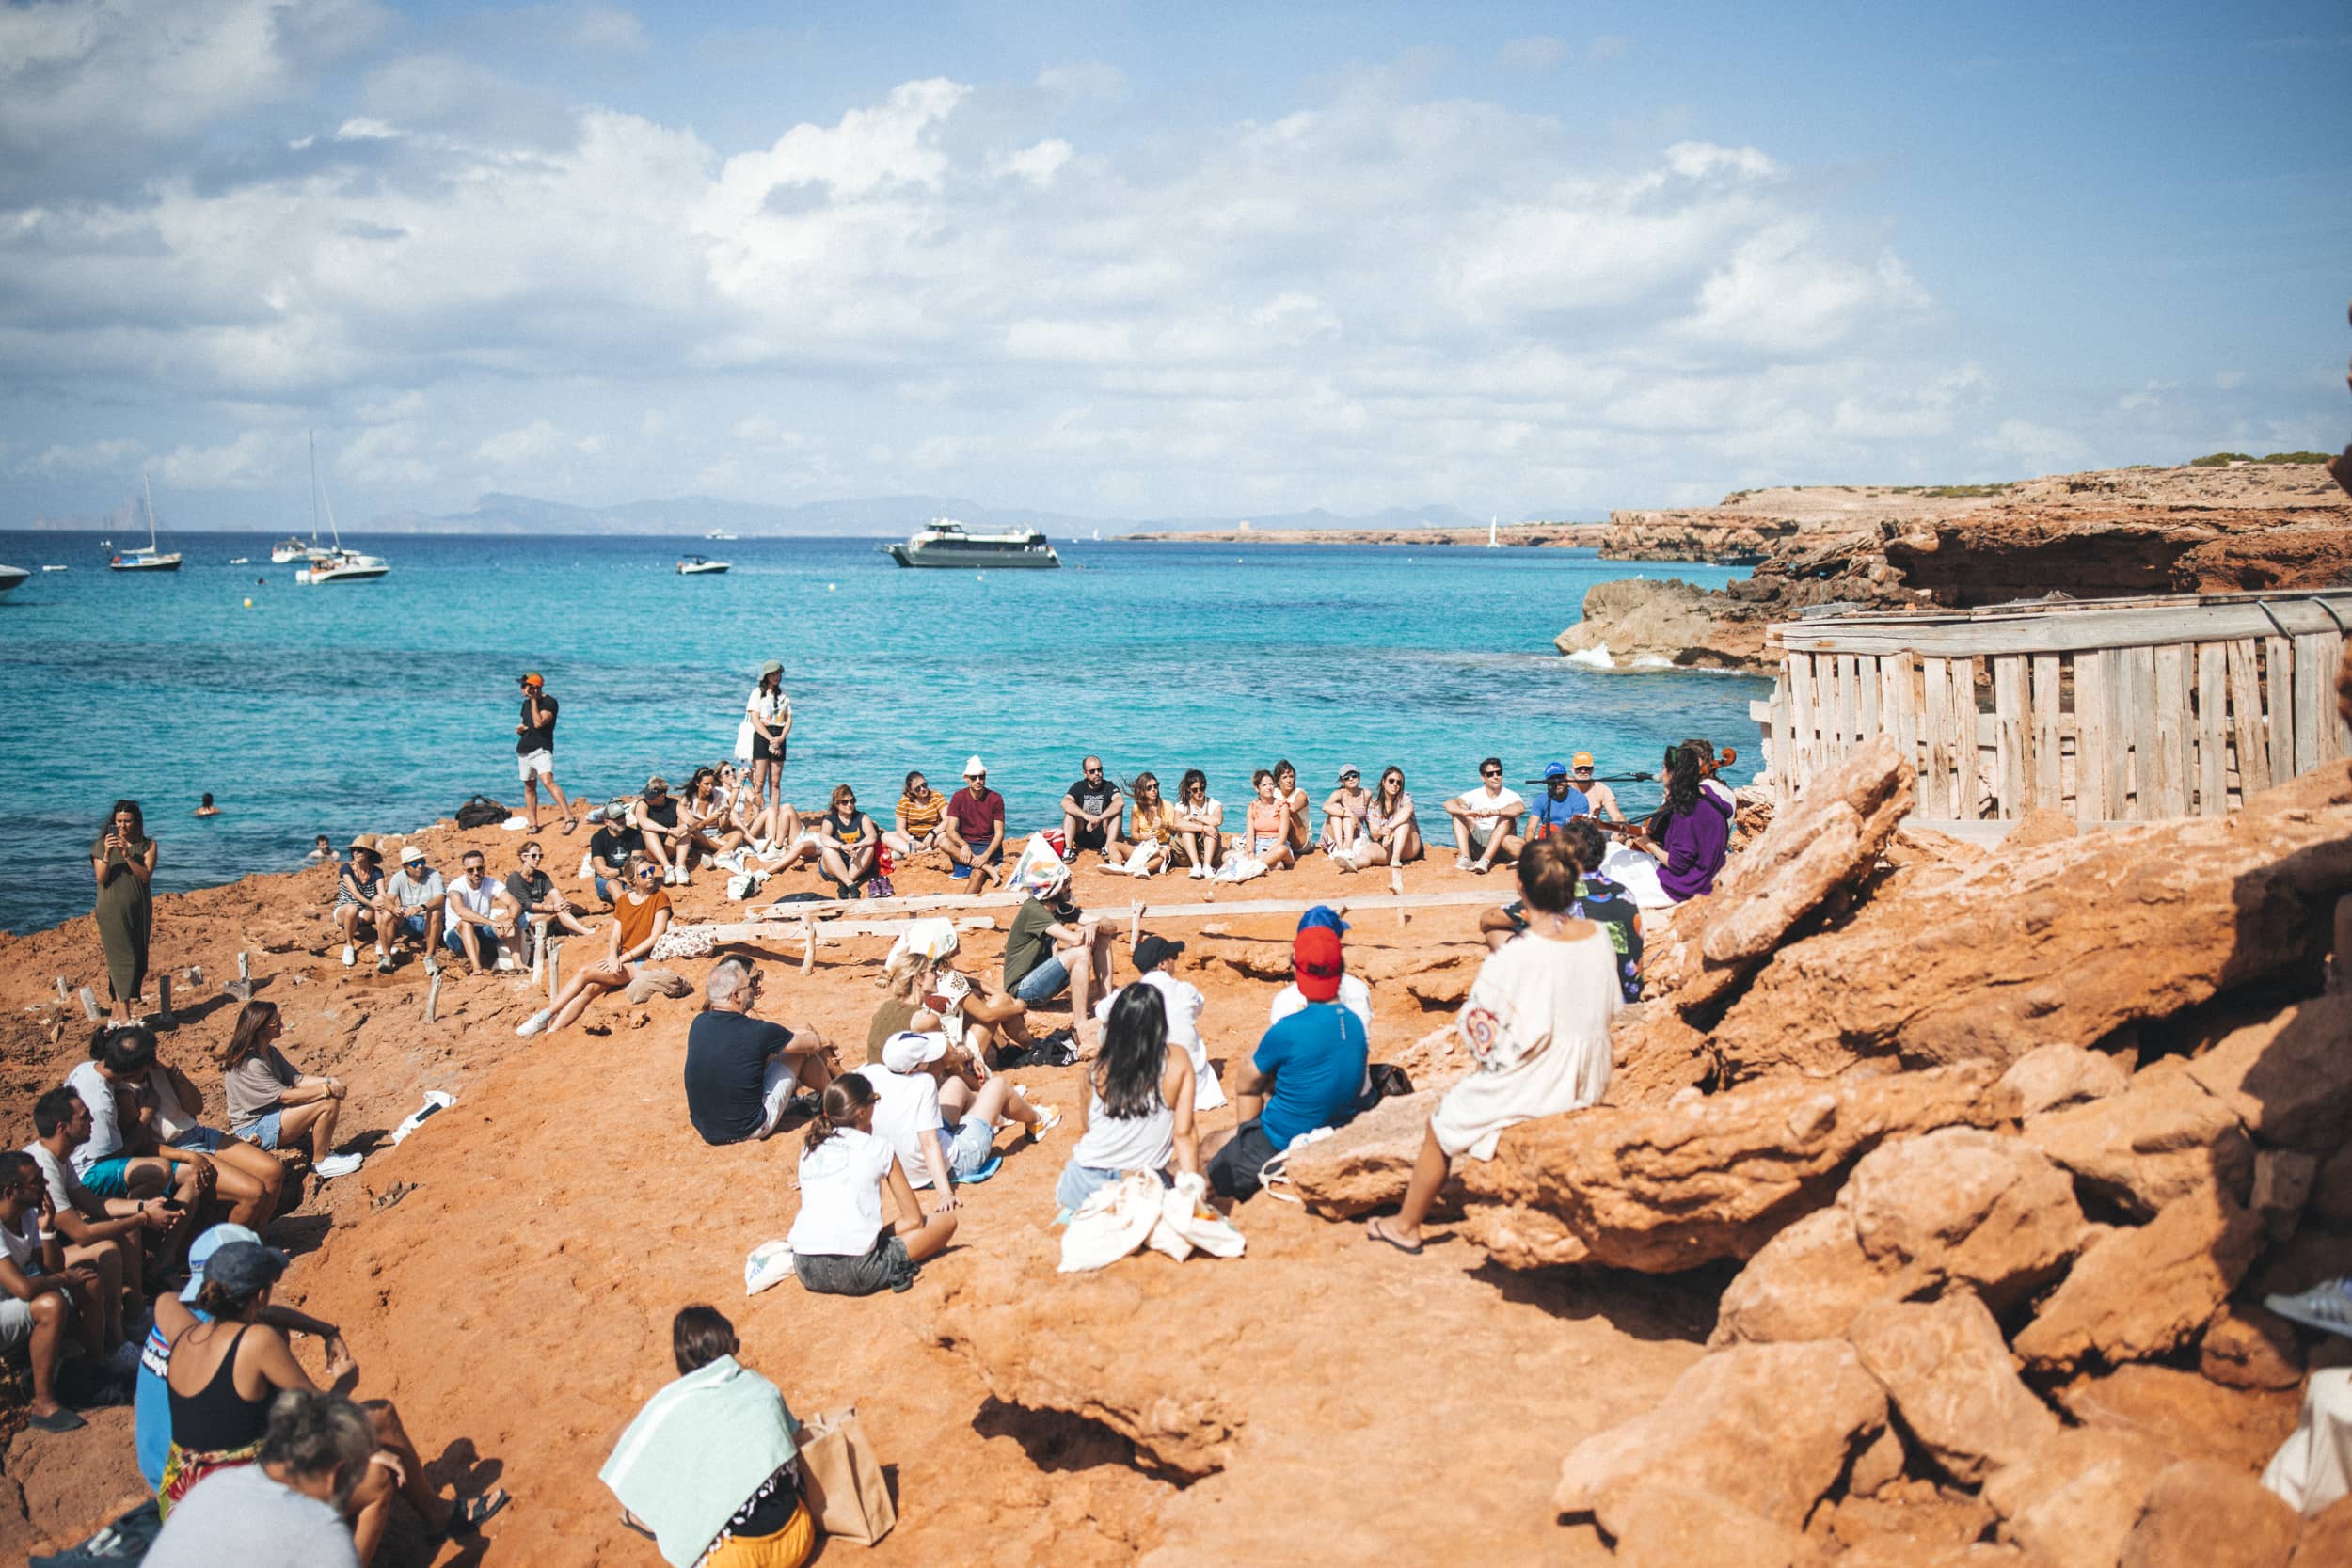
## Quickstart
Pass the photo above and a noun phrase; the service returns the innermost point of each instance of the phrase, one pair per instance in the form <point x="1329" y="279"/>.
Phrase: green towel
<point x="697" y="1453"/>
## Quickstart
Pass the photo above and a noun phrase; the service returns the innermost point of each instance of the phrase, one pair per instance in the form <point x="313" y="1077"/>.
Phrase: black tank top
<point x="216" y="1418"/>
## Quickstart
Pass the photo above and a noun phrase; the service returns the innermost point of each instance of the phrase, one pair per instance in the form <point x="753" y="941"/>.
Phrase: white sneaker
<point x="338" y="1165"/>
<point x="535" y="1023"/>
<point x="351" y="955"/>
<point x="1461" y="863"/>
<point x="1199" y="873"/>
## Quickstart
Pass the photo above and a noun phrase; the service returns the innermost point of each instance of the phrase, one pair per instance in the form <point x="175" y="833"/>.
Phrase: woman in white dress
<point x="1536" y="1022"/>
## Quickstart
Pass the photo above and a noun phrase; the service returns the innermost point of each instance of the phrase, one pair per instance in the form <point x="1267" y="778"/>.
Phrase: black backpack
<point x="482" y="812"/>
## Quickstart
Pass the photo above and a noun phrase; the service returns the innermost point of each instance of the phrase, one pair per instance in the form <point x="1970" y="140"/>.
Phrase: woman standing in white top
<point x="839" y="1243"/>
<point x="1138" y="1111"/>
<point x="760" y="741"/>
<point x="1536" y="1022"/>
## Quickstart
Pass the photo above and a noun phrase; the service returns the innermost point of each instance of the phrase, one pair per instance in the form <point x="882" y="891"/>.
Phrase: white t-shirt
<point x="841" y="1195"/>
<point x="105" y="1130"/>
<point x="1355" y="996"/>
<point x="906" y="1116"/>
<point x="22" y="1243"/>
<point x="66" y="1192"/>
<point x="1183" y="1004"/>
<point x="483" y="900"/>
<point x="1486" y="810"/>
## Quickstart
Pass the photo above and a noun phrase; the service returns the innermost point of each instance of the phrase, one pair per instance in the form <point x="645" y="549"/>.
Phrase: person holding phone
<point x="123" y="862"/>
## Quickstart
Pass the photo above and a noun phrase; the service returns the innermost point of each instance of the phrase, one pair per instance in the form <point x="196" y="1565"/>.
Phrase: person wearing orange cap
<point x="1603" y="798"/>
<point x="534" y="751"/>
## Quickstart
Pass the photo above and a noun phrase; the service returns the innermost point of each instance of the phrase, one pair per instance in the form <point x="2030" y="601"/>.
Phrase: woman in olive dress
<point x="123" y="860"/>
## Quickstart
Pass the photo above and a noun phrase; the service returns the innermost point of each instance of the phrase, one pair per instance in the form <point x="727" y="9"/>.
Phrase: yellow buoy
<point x="248" y="604"/>
<point x="831" y="586"/>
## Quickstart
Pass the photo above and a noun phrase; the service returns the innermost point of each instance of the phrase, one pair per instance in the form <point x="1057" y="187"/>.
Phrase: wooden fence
<point x="2108" y="710"/>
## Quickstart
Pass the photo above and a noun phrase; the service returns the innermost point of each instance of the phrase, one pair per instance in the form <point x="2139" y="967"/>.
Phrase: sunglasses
<point x="649" y="873"/>
<point x="1491" y="772"/>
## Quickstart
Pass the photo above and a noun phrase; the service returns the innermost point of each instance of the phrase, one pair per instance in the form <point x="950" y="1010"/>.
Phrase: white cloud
<point x="252" y="459"/>
<point x="2228" y="381"/>
<point x="535" y="442"/>
<point x="2034" y="449"/>
<point x="1038" y="163"/>
<point x="94" y="457"/>
<point x="1083" y="79"/>
<point x="1531" y="53"/>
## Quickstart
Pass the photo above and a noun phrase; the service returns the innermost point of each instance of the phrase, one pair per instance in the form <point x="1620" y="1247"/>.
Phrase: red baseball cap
<point x="1317" y="963"/>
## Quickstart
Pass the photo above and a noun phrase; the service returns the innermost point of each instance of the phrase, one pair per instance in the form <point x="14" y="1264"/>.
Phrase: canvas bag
<point x="842" y="1479"/>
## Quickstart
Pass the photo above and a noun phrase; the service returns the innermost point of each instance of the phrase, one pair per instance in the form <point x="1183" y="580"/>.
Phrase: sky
<point x="1132" y="261"/>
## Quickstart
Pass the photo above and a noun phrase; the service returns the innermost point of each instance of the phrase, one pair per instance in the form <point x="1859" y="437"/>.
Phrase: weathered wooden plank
<point x="2139" y="709"/>
<point x="1849" y="730"/>
<point x="2173" y="730"/>
<point x="1935" y="731"/>
<point x="2278" y="680"/>
<point x="2314" y="700"/>
<point x="1967" y="757"/>
<point x="2094" y="763"/>
<point x="1805" y="756"/>
<point x="2041" y="630"/>
<point x="2212" y="729"/>
<point x="1830" y="675"/>
<point x="1901" y="672"/>
<point x="1868" y="688"/>
<point x="2049" y="730"/>
<point x="2011" y="759"/>
<point x="1784" y="747"/>
<point x="2245" y="718"/>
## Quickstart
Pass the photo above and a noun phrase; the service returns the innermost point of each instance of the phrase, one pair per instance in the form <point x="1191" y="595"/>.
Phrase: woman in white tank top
<point x="1138" y="1111"/>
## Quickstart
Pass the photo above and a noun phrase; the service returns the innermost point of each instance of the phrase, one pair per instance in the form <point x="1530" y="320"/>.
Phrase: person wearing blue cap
<point x="151" y="1403"/>
<point x="1354" y="994"/>
<point x="1559" y="803"/>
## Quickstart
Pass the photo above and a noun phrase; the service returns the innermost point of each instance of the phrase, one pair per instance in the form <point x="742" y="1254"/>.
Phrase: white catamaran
<point x="337" y="565"/>
<point x="149" y="558"/>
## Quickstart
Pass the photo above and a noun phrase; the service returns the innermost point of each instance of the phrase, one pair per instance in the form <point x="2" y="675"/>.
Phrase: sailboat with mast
<point x="337" y="565"/>
<point x="149" y="558"/>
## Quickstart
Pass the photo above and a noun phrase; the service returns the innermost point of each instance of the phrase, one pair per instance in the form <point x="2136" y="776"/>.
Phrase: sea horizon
<point x="381" y="706"/>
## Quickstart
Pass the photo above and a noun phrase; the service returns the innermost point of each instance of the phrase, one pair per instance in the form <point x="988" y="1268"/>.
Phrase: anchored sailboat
<point x="337" y="565"/>
<point x="149" y="558"/>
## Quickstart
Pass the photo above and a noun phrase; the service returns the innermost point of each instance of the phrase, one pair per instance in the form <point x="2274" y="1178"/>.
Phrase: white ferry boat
<point x="947" y="543"/>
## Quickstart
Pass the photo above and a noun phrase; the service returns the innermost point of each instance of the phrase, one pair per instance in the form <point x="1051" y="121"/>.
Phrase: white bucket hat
<point x="974" y="765"/>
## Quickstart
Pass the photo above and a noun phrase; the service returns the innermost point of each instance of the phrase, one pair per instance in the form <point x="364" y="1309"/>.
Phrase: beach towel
<point x="1637" y="874"/>
<point x="934" y="939"/>
<point x="744" y="884"/>
<point x="769" y="1264"/>
<point x="2313" y="1467"/>
<point x="1040" y="870"/>
<point x="696" y="1452"/>
<point x="1136" y="1212"/>
<point x="436" y="1102"/>
<point x="1238" y="868"/>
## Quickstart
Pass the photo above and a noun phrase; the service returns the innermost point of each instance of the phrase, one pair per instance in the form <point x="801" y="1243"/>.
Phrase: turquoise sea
<point x="375" y="707"/>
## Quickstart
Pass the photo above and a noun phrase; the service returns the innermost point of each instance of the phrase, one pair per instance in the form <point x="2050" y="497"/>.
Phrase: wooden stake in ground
<point x="1396" y="887"/>
<point x="432" y="995"/>
<point x="89" y="1004"/>
<point x="555" y="958"/>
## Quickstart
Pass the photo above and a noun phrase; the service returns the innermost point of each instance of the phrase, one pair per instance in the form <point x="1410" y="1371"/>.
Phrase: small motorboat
<point x="289" y="550"/>
<point x="55" y="568"/>
<point x="11" y="575"/>
<point x="699" y="567"/>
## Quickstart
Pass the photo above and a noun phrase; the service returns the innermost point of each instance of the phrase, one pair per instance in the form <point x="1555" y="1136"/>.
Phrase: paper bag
<point x="844" y="1481"/>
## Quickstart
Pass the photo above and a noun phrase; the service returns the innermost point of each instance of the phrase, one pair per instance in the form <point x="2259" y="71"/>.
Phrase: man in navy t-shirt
<point x="1308" y="1071"/>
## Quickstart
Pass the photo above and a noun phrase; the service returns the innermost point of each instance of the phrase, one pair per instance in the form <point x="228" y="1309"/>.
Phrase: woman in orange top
<point x="1267" y="825"/>
<point x="641" y="915"/>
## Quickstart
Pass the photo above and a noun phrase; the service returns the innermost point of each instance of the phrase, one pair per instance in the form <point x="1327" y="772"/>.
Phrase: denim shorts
<point x="968" y="1145"/>
<point x="204" y="1140"/>
<point x="264" y="1131"/>
<point x="456" y="943"/>
<point x="1043" y="983"/>
<point x="885" y="1267"/>
<point x="413" y="924"/>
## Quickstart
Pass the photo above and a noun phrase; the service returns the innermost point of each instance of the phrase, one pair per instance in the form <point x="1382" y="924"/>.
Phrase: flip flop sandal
<point x="471" y="1514"/>
<point x="1379" y="1233"/>
<point x="570" y="823"/>
<point x="62" y="1420"/>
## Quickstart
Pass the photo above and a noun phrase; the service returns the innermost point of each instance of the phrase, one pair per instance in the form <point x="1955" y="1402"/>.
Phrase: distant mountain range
<point x="881" y="516"/>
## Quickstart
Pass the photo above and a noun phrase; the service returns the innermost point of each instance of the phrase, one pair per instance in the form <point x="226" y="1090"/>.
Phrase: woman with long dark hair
<point x="1392" y="832"/>
<point x="1138" y="1111"/>
<point x="1200" y="824"/>
<point x="274" y="1102"/>
<point x="840" y="1244"/>
<point x="1286" y="785"/>
<point x="123" y="861"/>
<point x="768" y="725"/>
<point x="1151" y="827"/>
<point x="1689" y="832"/>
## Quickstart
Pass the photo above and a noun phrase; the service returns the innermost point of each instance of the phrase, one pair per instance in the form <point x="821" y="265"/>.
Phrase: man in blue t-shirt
<point x="1308" y="1071"/>
<point x="1560" y="802"/>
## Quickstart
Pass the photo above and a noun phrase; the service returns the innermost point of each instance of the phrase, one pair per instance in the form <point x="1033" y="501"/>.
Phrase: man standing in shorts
<point x="1089" y="815"/>
<point x="534" y="751"/>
